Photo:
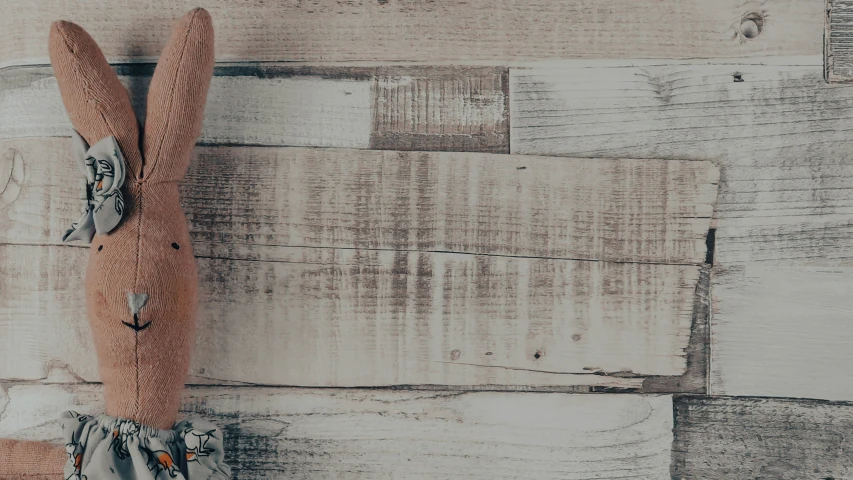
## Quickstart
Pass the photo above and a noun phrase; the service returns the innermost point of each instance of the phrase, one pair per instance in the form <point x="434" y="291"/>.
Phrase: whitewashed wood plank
<point x="783" y="439"/>
<point x="348" y="317"/>
<point x="286" y="110"/>
<point x="838" y="41"/>
<point x="399" y="108"/>
<point x="443" y="30"/>
<point x="780" y="135"/>
<point x="359" y="434"/>
<point x="783" y="331"/>
<point x="619" y="210"/>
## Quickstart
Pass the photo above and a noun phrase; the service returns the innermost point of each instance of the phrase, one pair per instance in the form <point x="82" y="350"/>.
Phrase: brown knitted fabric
<point x="31" y="460"/>
<point x="143" y="359"/>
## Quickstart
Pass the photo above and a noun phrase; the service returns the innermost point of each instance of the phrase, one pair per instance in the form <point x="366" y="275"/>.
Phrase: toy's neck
<point x="142" y="295"/>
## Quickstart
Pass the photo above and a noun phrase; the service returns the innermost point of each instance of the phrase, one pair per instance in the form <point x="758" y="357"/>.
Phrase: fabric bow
<point x="103" y="166"/>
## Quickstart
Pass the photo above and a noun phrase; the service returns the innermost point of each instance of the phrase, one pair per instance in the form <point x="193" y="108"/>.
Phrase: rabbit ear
<point x="176" y="98"/>
<point x="96" y="101"/>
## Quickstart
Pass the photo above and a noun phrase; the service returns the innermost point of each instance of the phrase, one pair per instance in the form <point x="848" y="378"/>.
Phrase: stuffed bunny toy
<point x="141" y="280"/>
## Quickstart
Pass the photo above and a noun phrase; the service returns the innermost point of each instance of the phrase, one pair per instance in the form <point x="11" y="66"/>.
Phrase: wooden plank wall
<point x="510" y="239"/>
<point x="783" y="199"/>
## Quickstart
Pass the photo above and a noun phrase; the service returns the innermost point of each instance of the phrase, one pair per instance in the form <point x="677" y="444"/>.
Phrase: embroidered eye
<point x="176" y="246"/>
<point x="100" y="247"/>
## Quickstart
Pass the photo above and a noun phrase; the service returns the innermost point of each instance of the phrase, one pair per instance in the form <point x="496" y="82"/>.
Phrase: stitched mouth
<point x="135" y="325"/>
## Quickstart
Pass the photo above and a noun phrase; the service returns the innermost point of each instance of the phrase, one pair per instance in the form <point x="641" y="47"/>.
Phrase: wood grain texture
<point x="779" y="134"/>
<point x="838" y="38"/>
<point x="430" y="32"/>
<point x="614" y="210"/>
<point x="780" y="439"/>
<point x="695" y="378"/>
<point x="441" y="109"/>
<point x="402" y="108"/>
<point x="350" y="317"/>
<point x="369" y="434"/>
<point x="783" y="331"/>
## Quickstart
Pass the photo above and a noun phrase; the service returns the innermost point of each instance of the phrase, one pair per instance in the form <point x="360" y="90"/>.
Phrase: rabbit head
<point x="141" y="280"/>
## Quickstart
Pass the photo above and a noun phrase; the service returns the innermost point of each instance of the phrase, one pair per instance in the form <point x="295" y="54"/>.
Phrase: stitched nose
<point x="135" y="302"/>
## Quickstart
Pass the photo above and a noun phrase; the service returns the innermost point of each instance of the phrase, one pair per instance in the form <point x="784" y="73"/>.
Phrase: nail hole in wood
<point x="537" y="355"/>
<point x="751" y="25"/>
<point x="454" y="355"/>
<point x="576" y="337"/>
<point x="489" y="353"/>
<point x="738" y="77"/>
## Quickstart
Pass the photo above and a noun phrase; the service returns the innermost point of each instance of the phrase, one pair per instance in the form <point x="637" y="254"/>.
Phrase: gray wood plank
<point x="783" y="331"/>
<point x="436" y="31"/>
<point x="759" y="438"/>
<point x="615" y="210"/>
<point x="838" y="38"/>
<point x="370" y="434"/>
<point x="399" y="108"/>
<point x="352" y="317"/>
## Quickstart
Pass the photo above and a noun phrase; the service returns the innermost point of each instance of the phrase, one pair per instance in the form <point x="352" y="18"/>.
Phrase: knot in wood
<point x="751" y="25"/>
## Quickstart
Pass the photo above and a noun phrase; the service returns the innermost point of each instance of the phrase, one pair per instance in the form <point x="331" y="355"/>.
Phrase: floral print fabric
<point x="103" y="167"/>
<point x="104" y="447"/>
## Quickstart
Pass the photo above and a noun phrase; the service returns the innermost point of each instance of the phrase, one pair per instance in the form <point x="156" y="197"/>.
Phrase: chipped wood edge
<point x="696" y="375"/>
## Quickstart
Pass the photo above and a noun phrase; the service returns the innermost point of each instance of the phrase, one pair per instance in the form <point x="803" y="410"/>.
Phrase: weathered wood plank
<point x="616" y="210"/>
<point x="780" y="135"/>
<point x="443" y="30"/>
<point x="783" y="331"/>
<point x="438" y="109"/>
<point x="838" y="38"/>
<point x="402" y="108"/>
<point x="782" y="439"/>
<point x="360" y="434"/>
<point x="349" y="317"/>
